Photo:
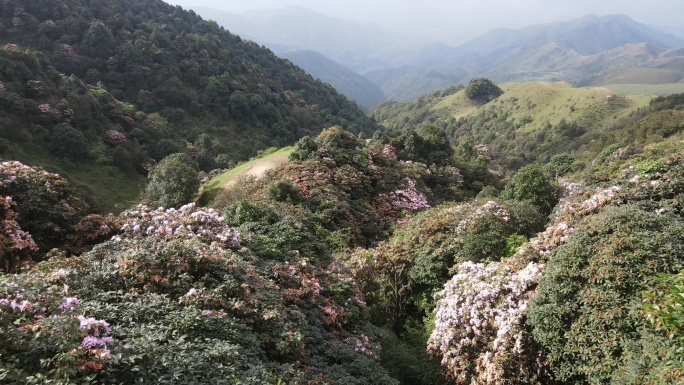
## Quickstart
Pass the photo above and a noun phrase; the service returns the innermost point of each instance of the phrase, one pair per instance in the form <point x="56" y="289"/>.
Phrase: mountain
<point x="587" y="36"/>
<point x="351" y="84"/>
<point x="408" y="82"/>
<point x="569" y="51"/>
<point x="110" y="88"/>
<point x="403" y="67"/>
<point x="352" y="44"/>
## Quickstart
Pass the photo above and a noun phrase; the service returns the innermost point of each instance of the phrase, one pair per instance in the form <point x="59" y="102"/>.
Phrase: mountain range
<point x="405" y="67"/>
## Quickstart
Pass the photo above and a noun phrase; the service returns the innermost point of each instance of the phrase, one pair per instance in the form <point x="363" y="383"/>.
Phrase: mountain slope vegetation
<point x="349" y="83"/>
<point x="123" y="84"/>
<point x="529" y="122"/>
<point x="393" y="260"/>
<point x="527" y="233"/>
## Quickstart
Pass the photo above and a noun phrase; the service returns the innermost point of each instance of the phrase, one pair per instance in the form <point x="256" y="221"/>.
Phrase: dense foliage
<point x="173" y="182"/>
<point x="418" y="258"/>
<point x="176" y="297"/>
<point x="482" y="90"/>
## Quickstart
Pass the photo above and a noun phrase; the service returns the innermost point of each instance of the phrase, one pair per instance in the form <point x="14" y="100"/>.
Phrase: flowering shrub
<point x="185" y="272"/>
<point x="483" y="150"/>
<point x="37" y="87"/>
<point x="11" y="47"/>
<point x="409" y="198"/>
<point x="92" y="230"/>
<point x="16" y="244"/>
<point x="45" y="332"/>
<point x="46" y="206"/>
<point x="115" y="137"/>
<point x="584" y="313"/>
<point x="186" y="222"/>
<point x="354" y="193"/>
<point x="69" y="51"/>
<point x="47" y="109"/>
<point x="479" y="326"/>
<point x="400" y="275"/>
<point x="389" y="152"/>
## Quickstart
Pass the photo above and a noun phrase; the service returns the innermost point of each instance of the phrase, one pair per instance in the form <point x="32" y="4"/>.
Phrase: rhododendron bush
<point x="354" y="192"/>
<point x="602" y="251"/>
<point x="479" y="326"/>
<point x="178" y="296"/>
<point x="45" y="331"/>
<point x="39" y="210"/>
<point x="400" y="275"/>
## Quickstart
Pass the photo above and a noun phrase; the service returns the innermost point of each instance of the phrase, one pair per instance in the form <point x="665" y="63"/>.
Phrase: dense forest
<point x="480" y="237"/>
<point x="112" y="87"/>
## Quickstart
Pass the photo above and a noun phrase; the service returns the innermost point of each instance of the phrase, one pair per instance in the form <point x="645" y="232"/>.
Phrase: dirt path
<point x="258" y="167"/>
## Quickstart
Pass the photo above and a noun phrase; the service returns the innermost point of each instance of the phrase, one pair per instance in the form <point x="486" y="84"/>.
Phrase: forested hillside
<point x="112" y="87"/>
<point x="522" y="233"/>
<point x="381" y="261"/>
<point x="525" y="123"/>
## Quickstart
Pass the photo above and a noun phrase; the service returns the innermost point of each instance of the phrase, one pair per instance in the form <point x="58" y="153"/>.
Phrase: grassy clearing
<point x="539" y="103"/>
<point x="208" y="191"/>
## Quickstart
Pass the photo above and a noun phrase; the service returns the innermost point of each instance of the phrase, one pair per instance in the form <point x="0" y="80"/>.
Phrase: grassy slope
<point x="549" y="102"/>
<point x="121" y="190"/>
<point x="209" y="190"/>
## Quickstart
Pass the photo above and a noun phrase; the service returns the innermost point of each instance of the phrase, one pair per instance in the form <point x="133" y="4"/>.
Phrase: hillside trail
<point x="258" y="167"/>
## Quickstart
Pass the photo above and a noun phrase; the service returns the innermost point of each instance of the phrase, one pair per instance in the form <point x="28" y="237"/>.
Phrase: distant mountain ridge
<point x="587" y="35"/>
<point x="573" y="50"/>
<point x="346" y="81"/>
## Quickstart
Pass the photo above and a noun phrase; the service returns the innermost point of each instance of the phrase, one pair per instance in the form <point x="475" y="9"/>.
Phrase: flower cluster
<point x="16" y="244"/>
<point x="490" y="207"/>
<point x="36" y="86"/>
<point x="483" y="150"/>
<point x="599" y="198"/>
<point x="115" y="137"/>
<point x="47" y="109"/>
<point x="479" y="322"/>
<point x="11" y="47"/>
<point x="2" y="87"/>
<point x="37" y="307"/>
<point x="68" y="50"/>
<point x="18" y="238"/>
<point x="363" y="345"/>
<point x="389" y="152"/>
<point x="68" y="114"/>
<point x="96" y="333"/>
<point x="186" y="222"/>
<point x="409" y="198"/>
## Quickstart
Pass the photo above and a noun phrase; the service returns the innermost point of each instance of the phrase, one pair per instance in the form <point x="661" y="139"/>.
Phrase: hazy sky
<point x="455" y="21"/>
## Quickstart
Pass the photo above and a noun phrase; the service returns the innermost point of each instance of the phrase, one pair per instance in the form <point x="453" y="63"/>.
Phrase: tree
<point x="559" y="165"/>
<point x="173" y="182"/>
<point x="68" y="142"/>
<point x="530" y="183"/>
<point x="482" y="90"/>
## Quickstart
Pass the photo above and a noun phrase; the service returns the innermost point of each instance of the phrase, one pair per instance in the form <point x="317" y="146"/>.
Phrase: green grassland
<point x="542" y="102"/>
<point x="209" y="190"/>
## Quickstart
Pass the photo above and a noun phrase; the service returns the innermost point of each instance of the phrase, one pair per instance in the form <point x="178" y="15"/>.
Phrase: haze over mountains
<point x="405" y="67"/>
